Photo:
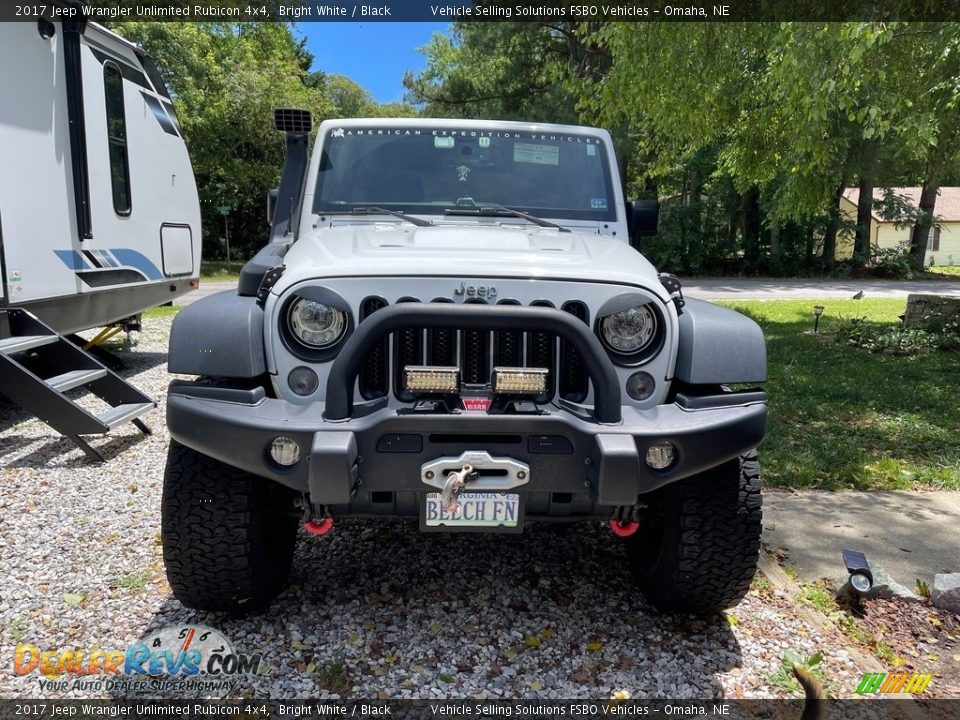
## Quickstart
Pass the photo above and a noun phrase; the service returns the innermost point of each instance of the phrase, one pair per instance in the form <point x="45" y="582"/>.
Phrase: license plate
<point x="481" y="509"/>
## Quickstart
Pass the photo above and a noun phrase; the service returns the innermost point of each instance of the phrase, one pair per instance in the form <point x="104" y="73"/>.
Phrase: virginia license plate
<point x="481" y="509"/>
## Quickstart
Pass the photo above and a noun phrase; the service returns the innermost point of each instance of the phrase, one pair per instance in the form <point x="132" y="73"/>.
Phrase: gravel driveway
<point x="373" y="609"/>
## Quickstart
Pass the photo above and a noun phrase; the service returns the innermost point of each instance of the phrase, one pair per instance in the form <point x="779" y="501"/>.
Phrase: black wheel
<point x="697" y="547"/>
<point x="228" y="536"/>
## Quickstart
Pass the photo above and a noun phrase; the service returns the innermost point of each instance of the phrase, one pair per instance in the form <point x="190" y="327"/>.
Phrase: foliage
<point x="784" y="677"/>
<point x="896" y="263"/>
<point x="898" y="339"/>
<point x="503" y="70"/>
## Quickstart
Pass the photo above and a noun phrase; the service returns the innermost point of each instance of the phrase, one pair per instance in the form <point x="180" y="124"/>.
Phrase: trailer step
<point x="26" y="342"/>
<point x="124" y="413"/>
<point x="68" y="367"/>
<point x="75" y="378"/>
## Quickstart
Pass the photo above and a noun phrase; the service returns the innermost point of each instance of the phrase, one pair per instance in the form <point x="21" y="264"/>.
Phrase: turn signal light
<point x="520" y="381"/>
<point x="431" y="379"/>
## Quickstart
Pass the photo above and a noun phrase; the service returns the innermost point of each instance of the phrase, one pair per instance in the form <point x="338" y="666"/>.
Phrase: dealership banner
<point x="461" y="709"/>
<point x="480" y="10"/>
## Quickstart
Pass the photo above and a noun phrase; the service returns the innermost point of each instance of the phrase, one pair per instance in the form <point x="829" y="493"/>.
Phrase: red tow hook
<point x="624" y="529"/>
<point x="322" y="527"/>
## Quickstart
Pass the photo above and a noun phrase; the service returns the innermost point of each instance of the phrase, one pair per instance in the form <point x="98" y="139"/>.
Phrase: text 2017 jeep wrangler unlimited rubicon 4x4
<point x="451" y="323"/>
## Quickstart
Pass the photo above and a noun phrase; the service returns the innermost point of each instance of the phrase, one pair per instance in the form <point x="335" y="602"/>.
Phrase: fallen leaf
<point x="390" y="659"/>
<point x="436" y="628"/>
<point x="547" y="633"/>
<point x="446" y="678"/>
<point x="297" y="645"/>
<point x="594" y="646"/>
<point x="73" y="600"/>
<point x="536" y="686"/>
<point x="732" y="620"/>
<point x="532" y="641"/>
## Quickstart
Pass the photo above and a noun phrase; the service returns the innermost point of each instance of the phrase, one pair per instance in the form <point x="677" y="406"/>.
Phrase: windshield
<point x="429" y="170"/>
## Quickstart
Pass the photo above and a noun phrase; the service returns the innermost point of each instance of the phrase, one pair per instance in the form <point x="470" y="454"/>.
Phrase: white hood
<point x="463" y="251"/>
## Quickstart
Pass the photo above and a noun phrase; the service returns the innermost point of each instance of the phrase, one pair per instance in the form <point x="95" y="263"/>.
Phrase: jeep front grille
<point x="475" y="352"/>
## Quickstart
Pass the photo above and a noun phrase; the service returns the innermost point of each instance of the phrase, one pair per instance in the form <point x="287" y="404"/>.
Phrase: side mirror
<point x="272" y="196"/>
<point x="642" y="219"/>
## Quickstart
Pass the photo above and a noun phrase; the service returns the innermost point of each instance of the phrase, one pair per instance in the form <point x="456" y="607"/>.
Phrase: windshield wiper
<point x="368" y="210"/>
<point x="501" y="211"/>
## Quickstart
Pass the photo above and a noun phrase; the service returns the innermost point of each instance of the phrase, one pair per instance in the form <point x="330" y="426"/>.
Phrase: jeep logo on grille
<point x="480" y="291"/>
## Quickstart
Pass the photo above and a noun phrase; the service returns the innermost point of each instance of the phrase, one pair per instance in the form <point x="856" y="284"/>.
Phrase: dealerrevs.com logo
<point x="189" y="660"/>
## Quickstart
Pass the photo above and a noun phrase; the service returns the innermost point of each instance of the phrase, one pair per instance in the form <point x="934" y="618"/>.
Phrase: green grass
<point x="951" y="270"/>
<point x="162" y="311"/>
<point x="219" y="271"/>
<point x="845" y="418"/>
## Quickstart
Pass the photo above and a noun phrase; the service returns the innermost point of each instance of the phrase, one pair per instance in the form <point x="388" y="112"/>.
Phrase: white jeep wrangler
<point x="452" y="323"/>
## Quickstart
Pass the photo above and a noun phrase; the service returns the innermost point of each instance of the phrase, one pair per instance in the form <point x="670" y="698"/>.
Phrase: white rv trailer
<point x="99" y="213"/>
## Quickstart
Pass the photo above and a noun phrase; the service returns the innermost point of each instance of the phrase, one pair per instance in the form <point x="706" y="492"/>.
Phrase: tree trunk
<point x="751" y="228"/>
<point x="861" y="244"/>
<point x="920" y="232"/>
<point x="775" y="240"/>
<point x="833" y="224"/>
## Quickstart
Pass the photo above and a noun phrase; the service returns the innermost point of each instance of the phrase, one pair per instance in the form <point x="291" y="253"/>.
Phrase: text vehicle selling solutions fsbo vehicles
<point x="452" y="323"/>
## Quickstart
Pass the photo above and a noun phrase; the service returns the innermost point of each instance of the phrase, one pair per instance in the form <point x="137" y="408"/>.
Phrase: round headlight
<point x="316" y="324"/>
<point x="629" y="331"/>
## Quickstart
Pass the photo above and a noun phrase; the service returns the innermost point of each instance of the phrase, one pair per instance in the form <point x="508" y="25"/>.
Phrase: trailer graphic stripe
<point x="160" y="114"/>
<point x="95" y="274"/>
<point x="133" y="258"/>
<point x="72" y="259"/>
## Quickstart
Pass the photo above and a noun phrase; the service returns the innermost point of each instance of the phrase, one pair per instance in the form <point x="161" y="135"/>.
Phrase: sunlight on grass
<point x="841" y="417"/>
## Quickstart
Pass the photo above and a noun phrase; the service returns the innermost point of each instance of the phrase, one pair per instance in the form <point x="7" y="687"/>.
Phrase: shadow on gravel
<point x="379" y="607"/>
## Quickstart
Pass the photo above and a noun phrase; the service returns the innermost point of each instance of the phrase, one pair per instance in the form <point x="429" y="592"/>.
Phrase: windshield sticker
<point x="443" y="143"/>
<point x="591" y="149"/>
<point x="539" y="154"/>
<point x="484" y="142"/>
<point x="462" y="173"/>
<point x="598" y="203"/>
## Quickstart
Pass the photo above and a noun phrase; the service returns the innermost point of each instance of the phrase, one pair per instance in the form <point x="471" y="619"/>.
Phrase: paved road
<point x="744" y="289"/>
<point x="786" y="289"/>
<point x="911" y="534"/>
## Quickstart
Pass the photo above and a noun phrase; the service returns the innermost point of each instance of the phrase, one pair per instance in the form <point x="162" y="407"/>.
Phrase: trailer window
<point x="117" y="138"/>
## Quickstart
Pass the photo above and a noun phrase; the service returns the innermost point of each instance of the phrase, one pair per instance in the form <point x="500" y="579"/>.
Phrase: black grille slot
<point x="475" y="368"/>
<point x="540" y="353"/>
<point x="409" y="351"/>
<point x="442" y="344"/>
<point x="374" y="377"/>
<point x="574" y="380"/>
<point x="508" y="345"/>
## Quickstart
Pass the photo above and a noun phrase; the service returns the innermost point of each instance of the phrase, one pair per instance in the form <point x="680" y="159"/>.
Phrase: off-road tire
<point x="228" y="536"/>
<point x="697" y="547"/>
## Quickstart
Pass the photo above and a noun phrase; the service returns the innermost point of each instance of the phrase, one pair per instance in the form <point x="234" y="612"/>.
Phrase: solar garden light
<point x="861" y="577"/>
<point x="817" y="312"/>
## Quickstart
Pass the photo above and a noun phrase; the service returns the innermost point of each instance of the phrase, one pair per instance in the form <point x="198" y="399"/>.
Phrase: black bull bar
<point x="343" y="373"/>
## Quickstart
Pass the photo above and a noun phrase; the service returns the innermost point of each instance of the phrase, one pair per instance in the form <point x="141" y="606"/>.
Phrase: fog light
<point x="661" y="455"/>
<point x="303" y="380"/>
<point x="640" y="385"/>
<point x="430" y="379"/>
<point x="519" y="381"/>
<point x="284" y="451"/>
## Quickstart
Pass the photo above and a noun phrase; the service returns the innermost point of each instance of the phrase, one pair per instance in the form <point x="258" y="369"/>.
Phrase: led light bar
<point x="520" y="381"/>
<point x="431" y="379"/>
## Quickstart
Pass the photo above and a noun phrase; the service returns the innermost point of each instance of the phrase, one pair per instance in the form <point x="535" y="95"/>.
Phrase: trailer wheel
<point x="228" y="536"/>
<point x="698" y="543"/>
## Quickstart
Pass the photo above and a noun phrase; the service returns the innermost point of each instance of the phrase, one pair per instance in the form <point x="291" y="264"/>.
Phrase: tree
<point x="226" y="80"/>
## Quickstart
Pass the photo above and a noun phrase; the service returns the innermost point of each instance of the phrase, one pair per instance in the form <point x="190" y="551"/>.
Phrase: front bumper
<point x="371" y="462"/>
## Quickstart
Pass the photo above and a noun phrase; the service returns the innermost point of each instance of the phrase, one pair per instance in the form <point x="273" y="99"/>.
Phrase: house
<point x="943" y="242"/>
